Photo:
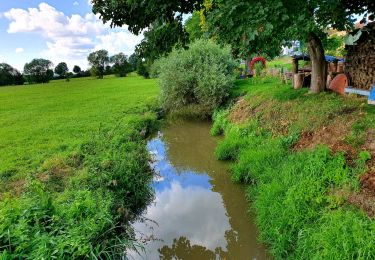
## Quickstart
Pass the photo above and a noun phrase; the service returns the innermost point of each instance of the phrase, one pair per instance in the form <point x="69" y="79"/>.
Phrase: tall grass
<point x="299" y="211"/>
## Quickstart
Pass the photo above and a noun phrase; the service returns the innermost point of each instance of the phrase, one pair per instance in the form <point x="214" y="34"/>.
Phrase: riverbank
<point x="306" y="160"/>
<point x="74" y="166"/>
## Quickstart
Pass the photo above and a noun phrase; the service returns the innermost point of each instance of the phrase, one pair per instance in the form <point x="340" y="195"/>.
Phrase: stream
<point x="198" y="213"/>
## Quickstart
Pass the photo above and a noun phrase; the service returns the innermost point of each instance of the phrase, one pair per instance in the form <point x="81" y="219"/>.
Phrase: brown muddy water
<point x="198" y="213"/>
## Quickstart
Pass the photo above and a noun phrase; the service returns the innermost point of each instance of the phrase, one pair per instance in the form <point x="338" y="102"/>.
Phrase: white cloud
<point x="75" y="3"/>
<point x="116" y="42"/>
<point x="19" y="50"/>
<point x="70" y="38"/>
<point x="202" y="219"/>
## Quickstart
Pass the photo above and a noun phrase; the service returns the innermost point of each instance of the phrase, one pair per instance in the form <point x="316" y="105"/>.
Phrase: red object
<point x="255" y="60"/>
<point x="339" y="83"/>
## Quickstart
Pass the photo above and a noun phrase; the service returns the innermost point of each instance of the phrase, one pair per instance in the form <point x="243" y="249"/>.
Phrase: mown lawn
<point x="74" y="166"/>
<point x="41" y="121"/>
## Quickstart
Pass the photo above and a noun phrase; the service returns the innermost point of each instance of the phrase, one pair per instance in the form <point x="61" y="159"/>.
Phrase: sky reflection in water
<point x="188" y="218"/>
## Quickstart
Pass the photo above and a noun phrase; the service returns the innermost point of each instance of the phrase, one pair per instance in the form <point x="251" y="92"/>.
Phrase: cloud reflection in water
<point x="184" y="207"/>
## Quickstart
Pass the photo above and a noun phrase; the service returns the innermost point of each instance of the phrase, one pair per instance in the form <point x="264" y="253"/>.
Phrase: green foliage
<point x="221" y="122"/>
<point x="298" y="196"/>
<point x="9" y="75"/>
<point x="143" y="69"/>
<point x="98" y="60"/>
<point x="62" y="69"/>
<point x="160" y="39"/>
<point x="255" y="27"/>
<point x="201" y="76"/>
<point x="133" y="61"/>
<point x="121" y="66"/>
<point x="193" y="27"/>
<point x="78" y="203"/>
<point x="139" y="15"/>
<point x="162" y="19"/>
<point x="38" y="71"/>
<point x="334" y="45"/>
<point x="77" y="69"/>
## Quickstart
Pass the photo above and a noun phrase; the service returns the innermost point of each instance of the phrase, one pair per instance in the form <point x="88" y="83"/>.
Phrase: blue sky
<point x="57" y="30"/>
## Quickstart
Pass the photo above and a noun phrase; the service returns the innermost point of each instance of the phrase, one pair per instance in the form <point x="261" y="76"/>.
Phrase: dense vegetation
<point x="299" y="188"/>
<point x="9" y="75"/>
<point x="198" y="79"/>
<point x="74" y="170"/>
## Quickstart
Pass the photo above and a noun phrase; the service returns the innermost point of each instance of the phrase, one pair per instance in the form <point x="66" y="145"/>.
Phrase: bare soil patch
<point x="364" y="200"/>
<point x="241" y="112"/>
<point x="332" y="135"/>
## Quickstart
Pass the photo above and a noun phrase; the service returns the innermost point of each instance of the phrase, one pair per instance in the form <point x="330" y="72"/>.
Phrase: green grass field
<point x="74" y="166"/>
<point x="42" y="121"/>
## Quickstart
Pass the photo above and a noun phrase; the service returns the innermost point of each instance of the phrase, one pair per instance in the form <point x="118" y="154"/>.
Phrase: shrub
<point x="200" y="76"/>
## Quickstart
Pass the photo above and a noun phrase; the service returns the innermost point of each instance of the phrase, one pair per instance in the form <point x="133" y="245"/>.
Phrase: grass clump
<point x="296" y="188"/>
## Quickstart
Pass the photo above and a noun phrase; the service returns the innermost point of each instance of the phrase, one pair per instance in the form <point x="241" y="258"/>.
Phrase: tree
<point x="133" y="61"/>
<point x="193" y="27"/>
<point x="38" y="71"/>
<point x="98" y="60"/>
<point x="262" y="26"/>
<point x="9" y="75"/>
<point x="121" y="65"/>
<point x="139" y="15"/>
<point x="77" y="69"/>
<point x="257" y="26"/>
<point x="142" y="69"/>
<point x="161" y="38"/>
<point x="162" y="19"/>
<point x="62" y="69"/>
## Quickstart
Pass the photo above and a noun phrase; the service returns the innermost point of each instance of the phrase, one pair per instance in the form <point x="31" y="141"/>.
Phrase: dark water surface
<point x="198" y="213"/>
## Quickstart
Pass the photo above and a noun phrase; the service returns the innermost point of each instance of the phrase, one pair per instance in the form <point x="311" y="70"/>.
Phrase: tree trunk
<point x="318" y="64"/>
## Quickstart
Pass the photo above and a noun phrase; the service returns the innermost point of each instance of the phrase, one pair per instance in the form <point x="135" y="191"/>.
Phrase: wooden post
<point x="298" y="80"/>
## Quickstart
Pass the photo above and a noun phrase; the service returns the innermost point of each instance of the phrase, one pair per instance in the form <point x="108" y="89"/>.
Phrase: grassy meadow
<point x="74" y="167"/>
<point x="306" y="160"/>
<point x="43" y="121"/>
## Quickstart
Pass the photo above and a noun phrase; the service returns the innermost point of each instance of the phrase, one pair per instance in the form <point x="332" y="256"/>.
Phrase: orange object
<point x="339" y="83"/>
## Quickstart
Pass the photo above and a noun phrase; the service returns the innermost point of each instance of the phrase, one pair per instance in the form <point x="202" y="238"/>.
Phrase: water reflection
<point x="197" y="213"/>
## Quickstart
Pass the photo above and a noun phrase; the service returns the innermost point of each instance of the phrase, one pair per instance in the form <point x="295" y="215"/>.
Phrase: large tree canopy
<point x="161" y="38"/>
<point x="38" y="71"/>
<point x="262" y="26"/>
<point x="121" y="65"/>
<point x="139" y="15"/>
<point x="98" y="61"/>
<point x="161" y="18"/>
<point x="62" y="69"/>
<point x="249" y="26"/>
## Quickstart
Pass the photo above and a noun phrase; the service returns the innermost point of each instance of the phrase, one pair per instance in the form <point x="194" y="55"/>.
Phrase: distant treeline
<point x="42" y="70"/>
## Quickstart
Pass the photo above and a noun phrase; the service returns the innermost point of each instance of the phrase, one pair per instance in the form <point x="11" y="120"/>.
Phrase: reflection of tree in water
<point x="182" y="249"/>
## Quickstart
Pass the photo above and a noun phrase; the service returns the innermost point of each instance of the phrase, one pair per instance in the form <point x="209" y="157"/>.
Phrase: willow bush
<point x="200" y="77"/>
